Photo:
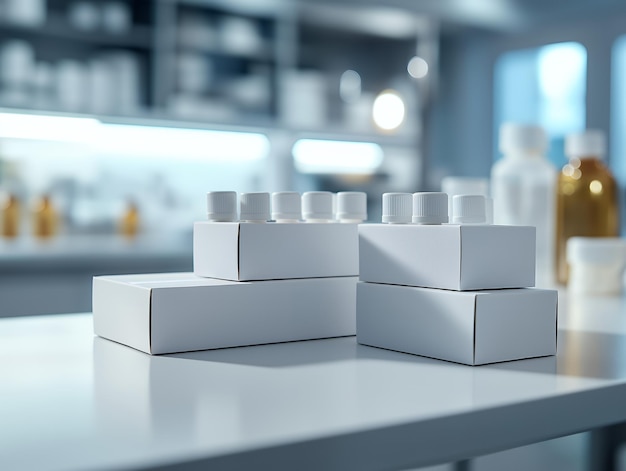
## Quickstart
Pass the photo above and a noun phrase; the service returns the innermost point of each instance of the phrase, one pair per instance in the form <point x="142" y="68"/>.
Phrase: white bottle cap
<point x="596" y="265"/>
<point x="397" y="208"/>
<point x="255" y="207"/>
<point x="463" y="186"/>
<point x="590" y="143"/>
<point x="286" y="205"/>
<point x="317" y="205"/>
<point x="430" y="208"/>
<point x="468" y="209"/>
<point x="221" y="206"/>
<point x="352" y="205"/>
<point x="600" y="250"/>
<point x="489" y="209"/>
<point x="522" y="137"/>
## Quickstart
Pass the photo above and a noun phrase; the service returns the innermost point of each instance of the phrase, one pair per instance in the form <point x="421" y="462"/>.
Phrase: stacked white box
<point x="177" y="312"/>
<point x="242" y="251"/>
<point x="253" y="283"/>
<point x="439" y="291"/>
<point x="455" y="257"/>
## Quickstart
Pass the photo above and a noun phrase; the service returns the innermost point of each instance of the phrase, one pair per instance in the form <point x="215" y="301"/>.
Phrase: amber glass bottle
<point x="11" y="217"/>
<point x="45" y="218"/>
<point x="129" y="224"/>
<point x="587" y="196"/>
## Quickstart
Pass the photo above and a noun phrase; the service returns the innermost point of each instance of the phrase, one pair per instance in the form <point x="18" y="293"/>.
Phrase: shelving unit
<point x="215" y="61"/>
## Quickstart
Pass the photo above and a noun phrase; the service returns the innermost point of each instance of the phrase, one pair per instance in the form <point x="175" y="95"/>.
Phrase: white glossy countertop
<point x="69" y="400"/>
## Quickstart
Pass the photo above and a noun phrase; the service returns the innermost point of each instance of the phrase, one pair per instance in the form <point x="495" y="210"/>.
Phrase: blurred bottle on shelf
<point x="239" y="35"/>
<point x="129" y="223"/>
<point x="587" y="204"/>
<point x="522" y="187"/>
<point x="45" y="218"/>
<point x="24" y="12"/>
<point x="85" y="16"/>
<point x="72" y="85"/>
<point x="304" y="90"/>
<point x="17" y="63"/>
<point x="44" y="93"/>
<point x="12" y="193"/>
<point x="116" y="17"/>
<point x="10" y="216"/>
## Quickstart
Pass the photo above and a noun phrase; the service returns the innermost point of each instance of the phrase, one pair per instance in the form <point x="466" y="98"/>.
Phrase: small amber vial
<point x="45" y="218"/>
<point x="587" y="196"/>
<point x="11" y="217"/>
<point x="129" y="223"/>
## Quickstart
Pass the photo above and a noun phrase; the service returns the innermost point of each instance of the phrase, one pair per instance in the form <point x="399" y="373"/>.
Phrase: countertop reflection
<point x="85" y="402"/>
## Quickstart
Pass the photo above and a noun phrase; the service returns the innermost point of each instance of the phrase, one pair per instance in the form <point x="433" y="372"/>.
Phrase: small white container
<point x="469" y="209"/>
<point x="596" y="265"/>
<point x="255" y="207"/>
<point x="116" y="17"/>
<point x="85" y="16"/>
<point x="523" y="185"/>
<point x="463" y="186"/>
<point x="397" y="208"/>
<point x="430" y="208"/>
<point x="222" y="206"/>
<point x="286" y="207"/>
<point x="317" y="206"/>
<point x="351" y="207"/>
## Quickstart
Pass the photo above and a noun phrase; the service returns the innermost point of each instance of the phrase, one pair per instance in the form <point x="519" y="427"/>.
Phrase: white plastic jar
<point x="596" y="265"/>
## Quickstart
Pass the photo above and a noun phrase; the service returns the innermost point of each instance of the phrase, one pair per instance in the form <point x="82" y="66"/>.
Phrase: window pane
<point x="618" y="110"/>
<point x="545" y="86"/>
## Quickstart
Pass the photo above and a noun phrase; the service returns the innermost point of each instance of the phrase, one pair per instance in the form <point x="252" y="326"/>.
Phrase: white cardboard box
<point x="249" y="251"/>
<point x="457" y="257"/>
<point x="473" y="328"/>
<point x="177" y="312"/>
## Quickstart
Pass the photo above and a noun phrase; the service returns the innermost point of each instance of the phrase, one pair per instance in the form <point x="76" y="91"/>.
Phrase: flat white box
<point x="248" y="251"/>
<point x="451" y="256"/>
<point x="473" y="328"/>
<point x="178" y="312"/>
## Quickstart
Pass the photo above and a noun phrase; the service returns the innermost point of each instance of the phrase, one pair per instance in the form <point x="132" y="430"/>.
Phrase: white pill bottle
<point x="523" y="184"/>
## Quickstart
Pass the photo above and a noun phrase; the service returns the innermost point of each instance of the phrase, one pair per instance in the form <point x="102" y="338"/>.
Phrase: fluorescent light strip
<point x="195" y="144"/>
<point x="340" y="157"/>
<point x="48" y="128"/>
<point x="136" y="140"/>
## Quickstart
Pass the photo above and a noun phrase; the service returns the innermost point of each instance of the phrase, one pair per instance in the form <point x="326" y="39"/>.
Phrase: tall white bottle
<point x="523" y="185"/>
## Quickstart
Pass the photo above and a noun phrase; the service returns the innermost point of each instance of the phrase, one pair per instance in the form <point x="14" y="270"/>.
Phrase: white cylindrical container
<point x="222" y="206"/>
<point x="453" y="186"/>
<point x="255" y="207"/>
<point x="72" y="85"/>
<point x="17" y="62"/>
<point x="317" y="206"/>
<point x="286" y="207"/>
<point x="596" y="265"/>
<point x="397" y="208"/>
<point x="523" y="189"/>
<point x="351" y="207"/>
<point x="468" y="209"/>
<point x="85" y="16"/>
<point x="116" y="17"/>
<point x="430" y="208"/>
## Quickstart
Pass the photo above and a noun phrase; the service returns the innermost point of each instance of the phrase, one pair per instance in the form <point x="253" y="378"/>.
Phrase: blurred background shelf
<point x="140" y="37"/>
<point x="276" y="64"/>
